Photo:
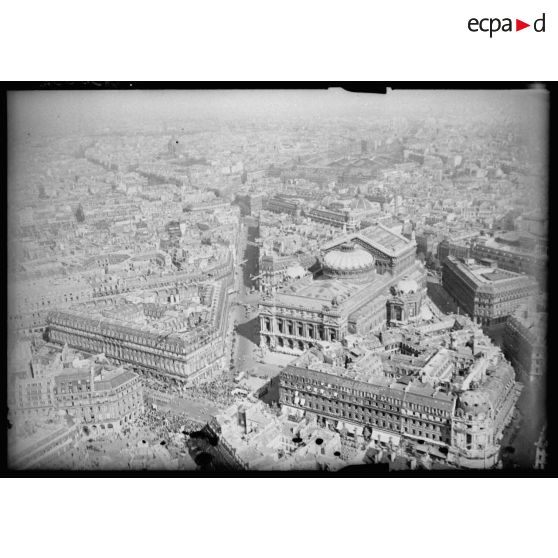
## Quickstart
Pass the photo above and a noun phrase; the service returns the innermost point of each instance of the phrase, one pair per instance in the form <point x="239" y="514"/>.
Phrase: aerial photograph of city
<point x="277" y="280"/>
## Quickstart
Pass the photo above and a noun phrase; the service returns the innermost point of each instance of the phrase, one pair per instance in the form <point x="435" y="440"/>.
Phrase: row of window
<point x="87" y="342"/>
<point x="428" y="431"/>
<point x="360" y="397"/>
<point x="436" y="415"/>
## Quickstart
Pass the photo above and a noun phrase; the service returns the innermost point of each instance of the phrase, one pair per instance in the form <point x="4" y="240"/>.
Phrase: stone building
<point x="480" y="417"/>
<point x="457" y="248"/>
<point x="405" y="304"/>
<point x="512" y="257"/>
<point x="541" y="450"/>
<point x="85" y="390"/>
<point x="192" y="355"/>
<point x="349" y="295"/>
<point x="486" y="293"/>
<point x="349" y="262"/>
<point x="43" y="446"/>
<point x="274" y="270"/>
<point x="524" y="342"/>
<point x="340" y="218"/>
<point x="104" y="399"/>
<point x="456" y="415"/>
<point x="280" y="204"/>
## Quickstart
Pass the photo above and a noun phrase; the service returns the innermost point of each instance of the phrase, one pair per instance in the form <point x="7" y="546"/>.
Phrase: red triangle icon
<point x="519" y="25"/>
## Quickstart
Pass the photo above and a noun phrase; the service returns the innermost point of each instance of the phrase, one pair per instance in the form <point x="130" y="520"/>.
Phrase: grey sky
<point x="40" y="112"/>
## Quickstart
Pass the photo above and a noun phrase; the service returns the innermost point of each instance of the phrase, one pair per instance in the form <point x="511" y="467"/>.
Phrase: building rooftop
<point x="483" y="275"/>
<point x="348" y="257"/>
<point x="321" y="292"/>
<point x="35" y="435"/>
<point x="493" y="274"/>
<point x="378" y="237"/>
<point x="327" y="289"/>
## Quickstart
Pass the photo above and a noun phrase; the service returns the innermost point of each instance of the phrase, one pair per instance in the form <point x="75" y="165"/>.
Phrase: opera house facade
<point x="360" y="272"/>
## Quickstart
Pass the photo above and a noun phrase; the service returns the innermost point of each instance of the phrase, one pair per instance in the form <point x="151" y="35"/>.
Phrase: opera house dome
<point x="349" y="261"/>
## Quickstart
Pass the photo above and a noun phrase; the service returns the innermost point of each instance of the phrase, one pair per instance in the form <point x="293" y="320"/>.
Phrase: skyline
<point x="57" y="112"/>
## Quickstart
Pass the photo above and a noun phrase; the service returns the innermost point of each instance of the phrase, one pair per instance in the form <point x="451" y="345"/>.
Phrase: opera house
<point x="363" y="276"/>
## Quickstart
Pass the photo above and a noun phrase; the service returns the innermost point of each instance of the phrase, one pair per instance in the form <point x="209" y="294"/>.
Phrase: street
<point x="440" y="297"/>
<point x="246" y="355"/>
<point x="532" y="415"/>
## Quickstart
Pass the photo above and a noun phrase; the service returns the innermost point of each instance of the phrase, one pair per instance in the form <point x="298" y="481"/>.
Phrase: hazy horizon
<point x="67" y="112"/>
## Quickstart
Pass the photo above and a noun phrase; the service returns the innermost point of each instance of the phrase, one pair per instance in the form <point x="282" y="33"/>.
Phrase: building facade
<point x="191" y="356"/>
<point x="405" y="304"/>
<point x="343" y="218"/>
<point x="462" y="427"/>
<point x="282" y="205"/>
<point x="44" y="451"/>
<point x="486" y="293"/>
<point x="516" y="260"/>
<point x="105" y="400"/>
<point x="349" y="296"/>
<point x="446" y="248"/>
<point x="524" y="342"/>
<point x="273" y="270"/>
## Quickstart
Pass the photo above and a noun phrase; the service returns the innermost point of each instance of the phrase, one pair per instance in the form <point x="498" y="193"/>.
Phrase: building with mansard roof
<point x="186" y="344"/>
<point x="348" y="295"/>
<point x="432" y="401"/>
<point x="487" y="293"/>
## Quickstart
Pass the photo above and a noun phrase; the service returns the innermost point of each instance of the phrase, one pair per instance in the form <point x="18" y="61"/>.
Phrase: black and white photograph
<point x="225" y="281"/>
<point x="278" y="278"/>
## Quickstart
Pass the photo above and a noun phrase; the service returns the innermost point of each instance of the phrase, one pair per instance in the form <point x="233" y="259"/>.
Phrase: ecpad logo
<point x="493" y="25"/>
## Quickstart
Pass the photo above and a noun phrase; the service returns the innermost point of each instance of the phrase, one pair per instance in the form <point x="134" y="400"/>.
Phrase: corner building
<point x="488" y="294"/>
<point x="459" y="417"/>
<point x="187" y="356"/>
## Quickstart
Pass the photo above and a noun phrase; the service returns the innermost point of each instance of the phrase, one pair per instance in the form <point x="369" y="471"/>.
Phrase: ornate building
<point x="488" y="294"/>
<point x="525" y="342"/>
<point x="457" y="248"/>
<point x="89" y="391"/>
<point x="454" y="410"/>
<point x="349" y="262"/>
<point x="279" y="204"/>
<point x="190" y="356"/>
<point x="106" y="399"/>
<point x="341" y="218"/>
<point x="349" y="296"/>
<point x="274" y="270"/>
<point x="480" y="417"/>
<point x="512" y="257"/>
<point x="405" y="304"/>
<point x="43" y="448"/>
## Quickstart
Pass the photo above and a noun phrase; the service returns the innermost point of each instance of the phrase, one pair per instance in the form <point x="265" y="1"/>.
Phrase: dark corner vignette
<point x="278" y="279"/>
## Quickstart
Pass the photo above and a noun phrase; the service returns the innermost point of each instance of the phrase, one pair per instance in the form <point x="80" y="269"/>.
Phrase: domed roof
<point x="349" y="257"/>
<point x="295" y="271"/>
<point x="475" y="402"/>
<point x="407" y="286"/>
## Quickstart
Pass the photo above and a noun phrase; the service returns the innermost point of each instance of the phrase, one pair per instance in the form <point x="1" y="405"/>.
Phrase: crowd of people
<point x="218" y="391"/>
<point x="165" y="423"/>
